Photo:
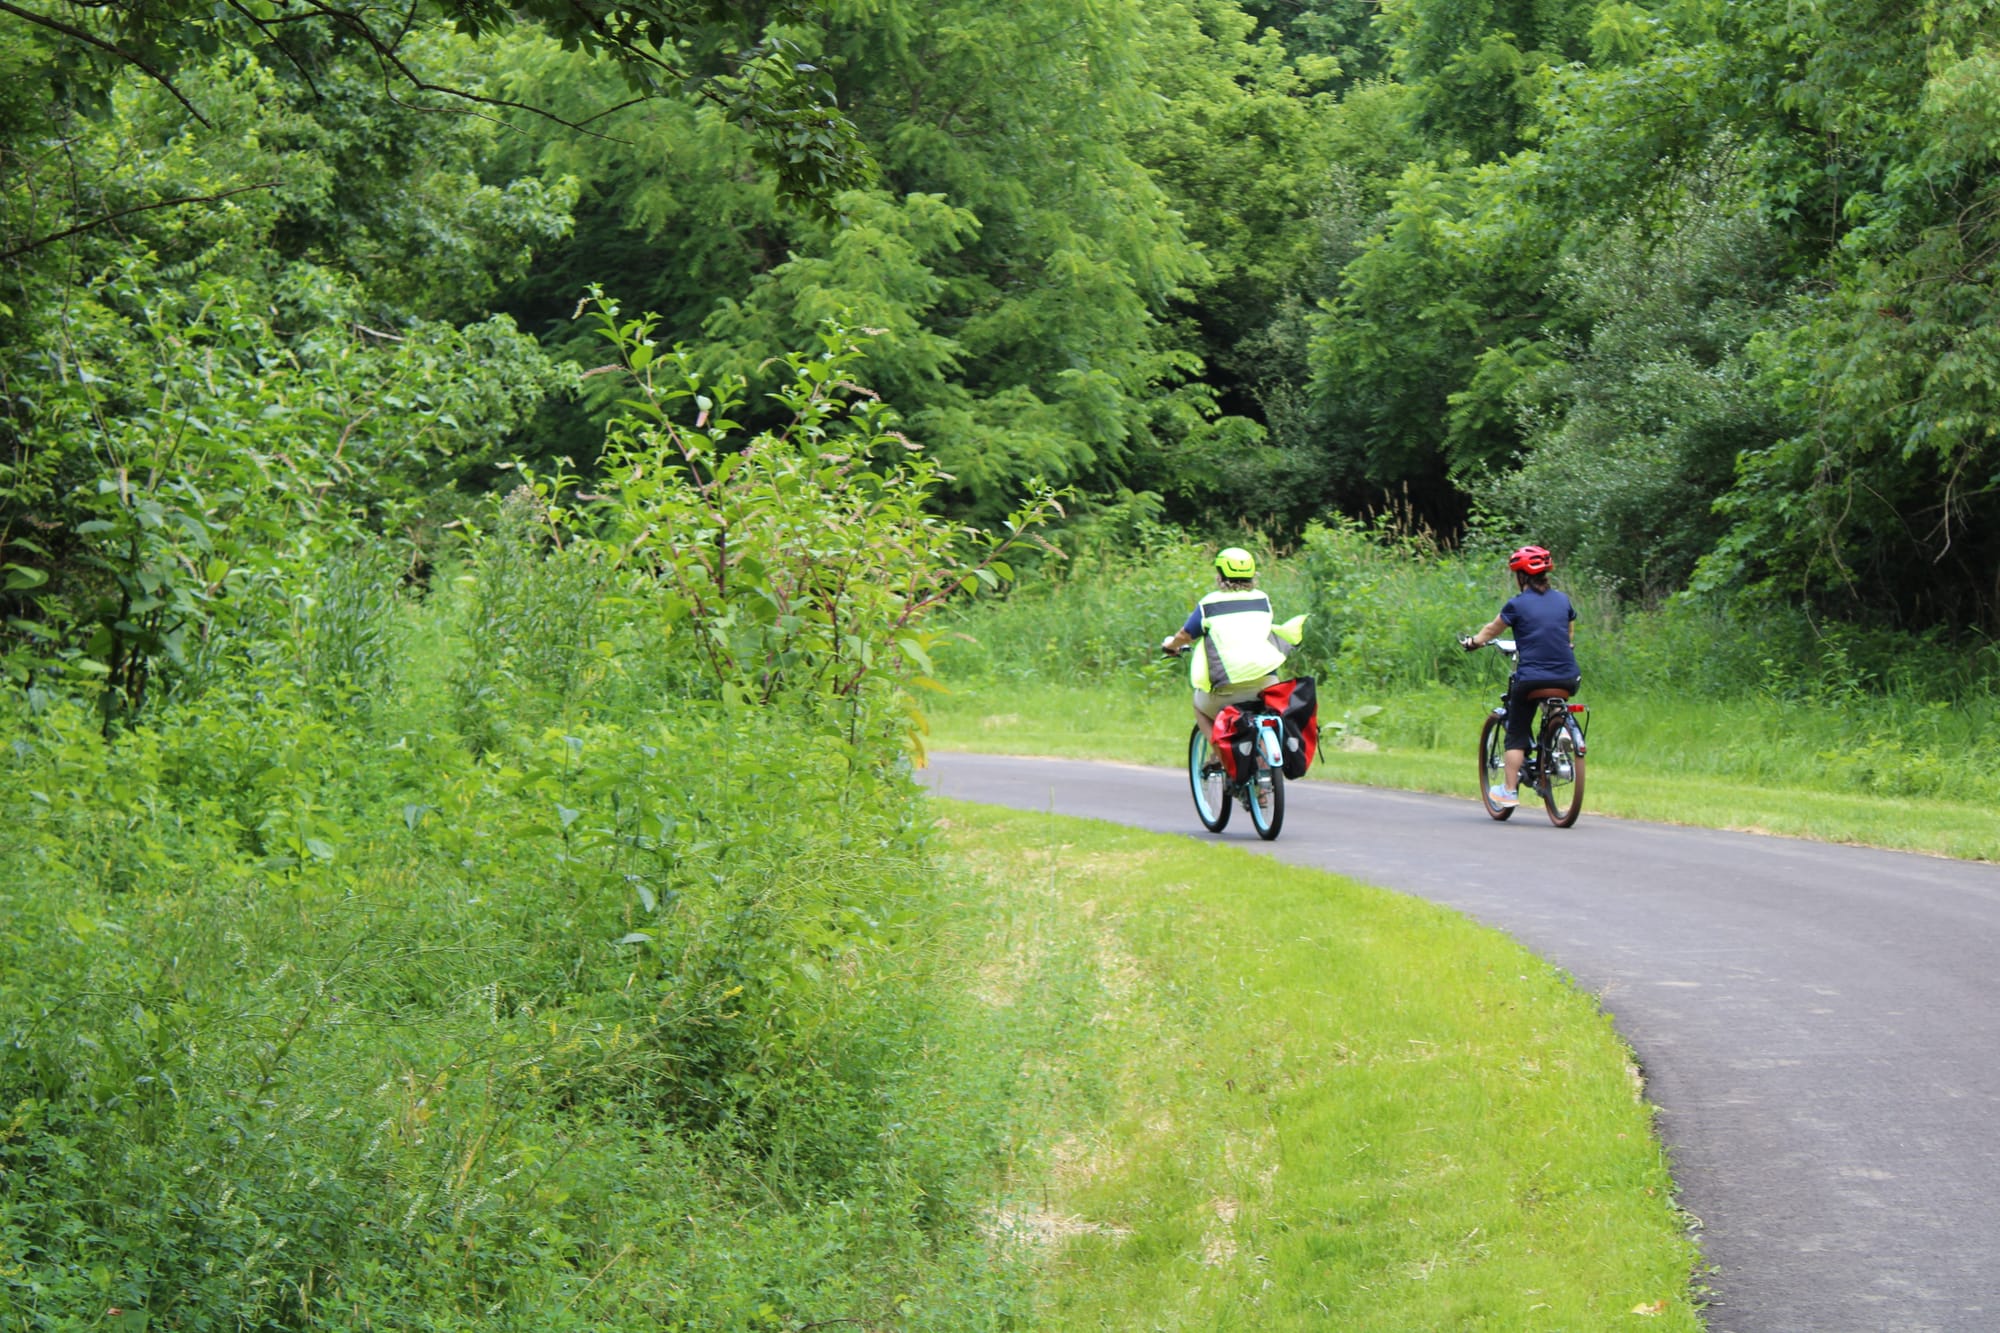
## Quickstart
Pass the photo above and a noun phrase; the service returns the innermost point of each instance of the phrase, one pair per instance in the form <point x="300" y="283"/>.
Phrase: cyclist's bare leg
<point x="1515" y="758"/>
<point x="1205" y="716"/>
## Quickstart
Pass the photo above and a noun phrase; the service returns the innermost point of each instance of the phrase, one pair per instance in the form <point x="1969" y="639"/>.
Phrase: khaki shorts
<point x="1208" y="705"/>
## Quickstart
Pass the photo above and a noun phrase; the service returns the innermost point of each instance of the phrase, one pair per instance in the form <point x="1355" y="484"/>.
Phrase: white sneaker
<point x="1503" y="798"/>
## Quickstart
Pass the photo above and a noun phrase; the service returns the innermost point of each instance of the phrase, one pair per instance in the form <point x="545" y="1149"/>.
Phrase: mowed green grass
<point x="1267" y="1097"/>
<point x="1648" y="760"/>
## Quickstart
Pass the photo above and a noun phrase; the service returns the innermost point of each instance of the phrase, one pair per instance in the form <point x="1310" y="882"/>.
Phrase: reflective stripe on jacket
<point x="1238" y="643"/>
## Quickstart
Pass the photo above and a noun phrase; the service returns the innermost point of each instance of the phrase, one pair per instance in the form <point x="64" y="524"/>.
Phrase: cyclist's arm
<point x="1185" y="635"/>
<point x="1486" y="634"/>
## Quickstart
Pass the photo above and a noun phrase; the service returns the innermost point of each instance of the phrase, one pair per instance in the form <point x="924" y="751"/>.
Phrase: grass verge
<point x="1642" y="766"/>
<point x="1269" y="1097"/>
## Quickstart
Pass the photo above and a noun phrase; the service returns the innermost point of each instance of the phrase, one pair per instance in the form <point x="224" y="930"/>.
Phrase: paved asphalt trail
<point x="1819" y="1025"/>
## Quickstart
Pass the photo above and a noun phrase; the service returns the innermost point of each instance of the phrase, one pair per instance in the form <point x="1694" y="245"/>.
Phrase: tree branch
<point x="127" y="212"/>
<point x="57" y="25"/>
<point x="386" y="48"/>
<point x="264" y="26"/>
<point x="387" y="51"/>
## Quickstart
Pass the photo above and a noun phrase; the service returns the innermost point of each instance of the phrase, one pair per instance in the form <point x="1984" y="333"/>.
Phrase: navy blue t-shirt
<point x="1540" y="621"/>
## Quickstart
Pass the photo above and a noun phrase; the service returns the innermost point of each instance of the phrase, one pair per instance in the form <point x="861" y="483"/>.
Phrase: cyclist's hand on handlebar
<point x="1467" y="642"/>
<point x="1167" y="646"/>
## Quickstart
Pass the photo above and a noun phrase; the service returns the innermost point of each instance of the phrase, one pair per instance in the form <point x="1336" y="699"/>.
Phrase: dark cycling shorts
<point x="1521" y="711"/>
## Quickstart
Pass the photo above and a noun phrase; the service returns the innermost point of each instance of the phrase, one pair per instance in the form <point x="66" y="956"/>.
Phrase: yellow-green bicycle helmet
<point x="1233" y="562"/>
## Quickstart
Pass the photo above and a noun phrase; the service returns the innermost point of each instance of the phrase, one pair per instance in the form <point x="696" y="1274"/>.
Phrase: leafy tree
<point x="1883" y="500"/>
<point x="194" y="400"/>
<point x="1015" y="256"/>
<point x="304" y="149"/>
<point x="1500" y="155"/>
<point x="1879" y="500"/>
<point x="337" y="173"/>
<point x="1240" y="145"/>
<point x="714" y="49"/>
<point x="1479" y="66"/>
<point x="1440" y="317"/>
<point x="1345" y="30"/>
<point x="1018" y="115"/>
<point x="1241" y="148"/>
<point x="185" y="462"/>
<point x="1632" y="433"/>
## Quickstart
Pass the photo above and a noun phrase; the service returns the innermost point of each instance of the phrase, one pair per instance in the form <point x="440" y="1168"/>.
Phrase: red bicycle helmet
<point x="1531" y="560"/>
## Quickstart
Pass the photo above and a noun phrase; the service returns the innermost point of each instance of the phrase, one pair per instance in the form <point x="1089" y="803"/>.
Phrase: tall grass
<point x="529" y="996"/>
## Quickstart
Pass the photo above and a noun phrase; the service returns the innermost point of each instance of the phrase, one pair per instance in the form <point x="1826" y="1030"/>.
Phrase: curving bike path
<point x="1819" y="1024"/>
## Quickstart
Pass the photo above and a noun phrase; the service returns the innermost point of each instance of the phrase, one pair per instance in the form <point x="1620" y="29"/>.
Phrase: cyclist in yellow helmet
<point x="1241" y="647"/>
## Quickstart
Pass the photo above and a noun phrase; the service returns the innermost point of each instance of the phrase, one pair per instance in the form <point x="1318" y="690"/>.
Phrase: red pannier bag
<point x="1297" y="703"/>
<point x="1231" y="726"/>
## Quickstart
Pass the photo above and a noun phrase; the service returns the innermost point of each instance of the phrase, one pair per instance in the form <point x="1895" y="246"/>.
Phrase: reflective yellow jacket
<point x="1239" y="644"/>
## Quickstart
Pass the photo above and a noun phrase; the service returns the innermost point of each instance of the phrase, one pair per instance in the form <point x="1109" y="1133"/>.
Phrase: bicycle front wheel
<point x="1493" y="764"/>
<point x="1208" y="782"/>
<point x="1266" y="802"/>
<point x="1562" y="773"/>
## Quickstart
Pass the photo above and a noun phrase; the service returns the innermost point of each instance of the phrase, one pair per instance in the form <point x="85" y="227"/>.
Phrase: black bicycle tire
<point x="1495" y="727"/>
<point x="1560" y="816"/>
<point x="1268" y="832"/>
<point x="1196" y="745"/>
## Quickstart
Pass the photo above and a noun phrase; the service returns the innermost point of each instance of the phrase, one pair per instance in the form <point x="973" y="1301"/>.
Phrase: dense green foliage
<point x="433" y="961"/>
<point x="715" y="50"/>
<point x="1693" y="291"/>
<point x="1794" y="197"/>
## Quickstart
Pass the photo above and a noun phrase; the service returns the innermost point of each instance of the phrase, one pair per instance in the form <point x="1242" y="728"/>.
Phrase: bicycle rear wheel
<point x="1208" y="783"/>
<point x="1266" y="803"/>
<point x="1493" y="764"/>
<point x="1562" y="773"/>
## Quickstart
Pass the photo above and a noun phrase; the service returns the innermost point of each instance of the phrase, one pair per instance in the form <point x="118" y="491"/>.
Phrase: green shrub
<point x="476" y="963"/>
<point x="533" y="621"/>
<point x="279" y="1039"/>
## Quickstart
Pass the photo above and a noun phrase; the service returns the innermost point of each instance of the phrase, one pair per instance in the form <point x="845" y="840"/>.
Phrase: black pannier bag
<point x="1297" y="703"/>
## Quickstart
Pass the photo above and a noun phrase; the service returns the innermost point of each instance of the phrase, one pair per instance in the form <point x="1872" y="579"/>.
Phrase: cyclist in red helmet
<point x="1544" y="625"/>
